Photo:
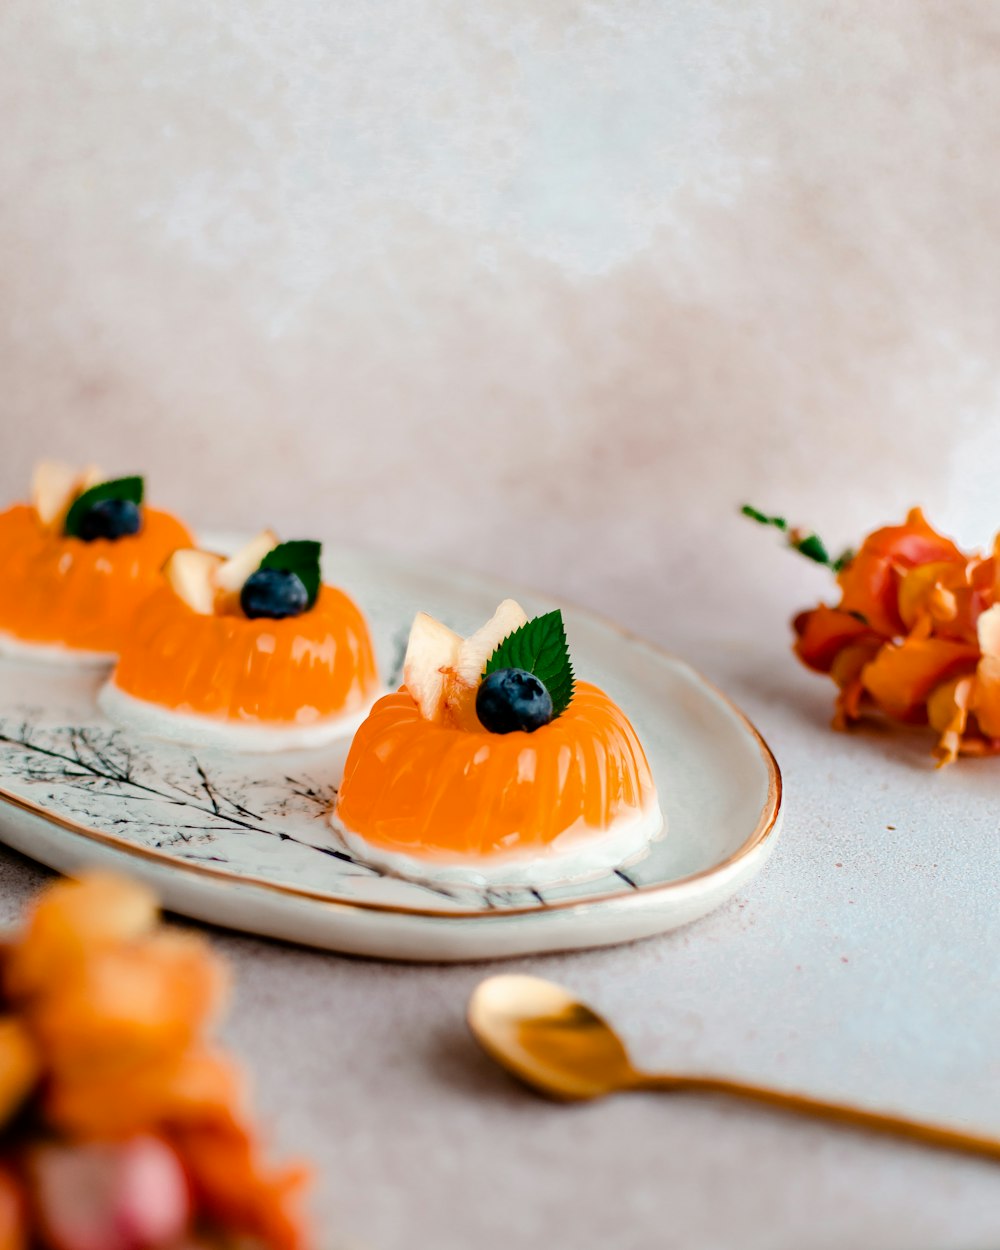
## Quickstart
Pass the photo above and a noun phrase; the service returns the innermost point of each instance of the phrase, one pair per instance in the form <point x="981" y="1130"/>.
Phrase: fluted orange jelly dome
<point x="419" y="788"/>
<point x="294" y="671"/>
<point x="59" y="589"/>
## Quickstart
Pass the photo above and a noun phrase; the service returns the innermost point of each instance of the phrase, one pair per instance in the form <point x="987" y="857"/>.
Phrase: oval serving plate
<point x="243" y="841"/>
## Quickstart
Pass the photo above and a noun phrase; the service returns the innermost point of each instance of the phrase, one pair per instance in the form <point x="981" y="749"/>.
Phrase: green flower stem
<point x="804" y="541"/>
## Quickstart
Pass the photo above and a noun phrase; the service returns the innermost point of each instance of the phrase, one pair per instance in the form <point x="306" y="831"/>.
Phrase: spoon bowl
<point x="539" y="1032"/>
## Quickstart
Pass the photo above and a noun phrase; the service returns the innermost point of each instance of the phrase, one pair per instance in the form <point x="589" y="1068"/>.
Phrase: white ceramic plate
<point x="243" y="841"/>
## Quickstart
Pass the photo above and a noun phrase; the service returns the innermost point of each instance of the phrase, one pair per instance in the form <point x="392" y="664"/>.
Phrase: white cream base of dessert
<point x="578" y="854"/>
<point x="52" y="653"/>
<point x="195" y="729"/>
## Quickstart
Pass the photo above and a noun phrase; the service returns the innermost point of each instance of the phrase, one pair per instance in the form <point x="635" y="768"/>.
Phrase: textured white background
<point x="546" y="288"/>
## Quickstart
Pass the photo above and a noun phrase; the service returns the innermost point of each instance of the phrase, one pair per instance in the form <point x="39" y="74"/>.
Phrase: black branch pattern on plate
<point x="96" y="762"/>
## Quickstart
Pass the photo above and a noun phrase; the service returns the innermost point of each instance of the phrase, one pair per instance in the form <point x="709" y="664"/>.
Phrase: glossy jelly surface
<point x="294" y="670"/>
<point x="56" y="589"/>
<point x="419" y="788"/>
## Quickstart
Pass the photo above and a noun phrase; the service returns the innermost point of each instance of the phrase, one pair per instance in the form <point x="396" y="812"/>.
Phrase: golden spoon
<point x="559" y="1047"/>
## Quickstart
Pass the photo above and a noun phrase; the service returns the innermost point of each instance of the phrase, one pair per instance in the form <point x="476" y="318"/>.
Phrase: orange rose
<point x="916" y="634"/>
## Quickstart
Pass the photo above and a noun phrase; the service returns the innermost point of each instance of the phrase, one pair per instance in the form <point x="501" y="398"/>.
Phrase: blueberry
<point x="512" y="699"/>
<point x="109" y="518"/>
<point x="274" y="593"/>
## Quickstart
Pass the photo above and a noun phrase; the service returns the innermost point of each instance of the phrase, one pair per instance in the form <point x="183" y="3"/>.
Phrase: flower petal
<point x="948" y="713"/>
<point x="986" y="696"/>
<point x="13" y="1214"/>
<point x="197" y="1085"/>
<point x="824" y="632"/>
<point x="130" y="1195"/>
<point x="20" y="1067"/>
<point x="135" y="1003"/>
<point x="902" y="676"/>
<point x="870" y="582"/>
<point x="988" y="631"/>
<point x="846" y="671"/>
<point x="233" y="1190"/>
<point x="70" y="919"/>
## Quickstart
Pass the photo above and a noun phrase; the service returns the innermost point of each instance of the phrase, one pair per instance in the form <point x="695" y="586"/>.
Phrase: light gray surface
<point x="861" y="964"/>
<point x="546" y="288"/>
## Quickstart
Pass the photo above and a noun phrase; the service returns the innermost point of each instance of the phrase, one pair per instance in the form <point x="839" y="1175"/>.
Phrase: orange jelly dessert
<point x="77" y="562"/>
<point x="492" y="765"/>
<point x="251" y="653"/>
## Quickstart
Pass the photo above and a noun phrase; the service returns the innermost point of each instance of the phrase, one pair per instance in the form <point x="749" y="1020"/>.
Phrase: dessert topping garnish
<point x="301" y="557"/>
<point x="444" y="672"/>
<point x="191" y="574"/>
<point x="510" y="699"/>
<point x="539" y="648"/>
<point x="275" y="593"/>
<point x="107" y="510"/>
<point x="285" y="583"/>
<point x="232" y="573"/>
<point x="55" y="485"/>
<point x="265" y="578"/>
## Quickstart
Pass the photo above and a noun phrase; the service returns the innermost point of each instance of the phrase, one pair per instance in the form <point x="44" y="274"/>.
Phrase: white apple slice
<point x="232" y="573"/>
<point x="90" y="476"/>
<point x="431" y="654"/>
<point x="54" y="486"/>
<point x="478" y="647"/>
<point x="191" y="574"/>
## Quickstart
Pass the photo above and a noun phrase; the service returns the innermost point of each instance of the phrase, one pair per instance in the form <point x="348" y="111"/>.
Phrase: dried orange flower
<point x="916" y="634"/>
<point x="122" y="1128"/>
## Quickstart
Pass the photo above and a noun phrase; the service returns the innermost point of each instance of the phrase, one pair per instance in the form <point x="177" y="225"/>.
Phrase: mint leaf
<point x="301" y="557"/>
<point x="130" y="488"/>
<point x="539" y="646"/>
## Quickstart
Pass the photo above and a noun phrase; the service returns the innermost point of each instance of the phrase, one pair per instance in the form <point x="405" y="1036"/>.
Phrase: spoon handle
<point x="855" y="1117"/>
